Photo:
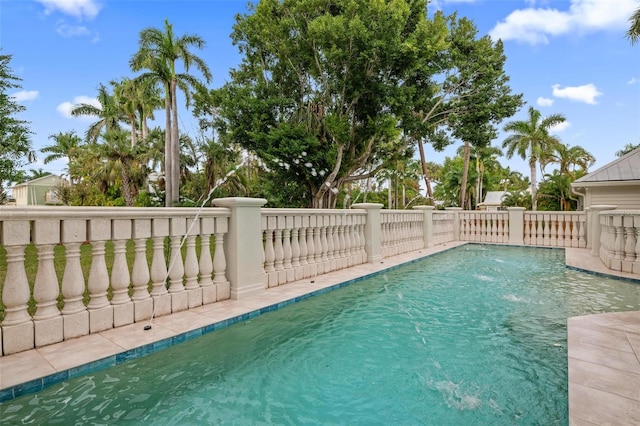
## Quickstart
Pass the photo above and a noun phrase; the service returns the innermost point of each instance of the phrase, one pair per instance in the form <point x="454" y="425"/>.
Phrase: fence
<point x="76" y="271"/>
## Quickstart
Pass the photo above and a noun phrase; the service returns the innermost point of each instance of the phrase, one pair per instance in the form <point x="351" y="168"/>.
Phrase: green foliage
<point x="15" y="144"/>
<point x="322" y="87"/>
<point x="531" y="140"/>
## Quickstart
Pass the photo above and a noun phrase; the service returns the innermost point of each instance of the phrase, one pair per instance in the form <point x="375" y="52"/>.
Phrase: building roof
<point x="493" y="198"/>
<point x="625" y="168"/>
<point x="44" y="180"/>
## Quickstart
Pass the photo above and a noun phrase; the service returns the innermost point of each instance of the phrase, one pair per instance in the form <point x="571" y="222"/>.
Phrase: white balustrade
<point x="620" y="240"/>
<point x="117" y="240"/>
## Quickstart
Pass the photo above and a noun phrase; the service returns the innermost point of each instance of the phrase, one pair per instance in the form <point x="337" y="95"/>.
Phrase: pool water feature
<point x="475" y="335"/>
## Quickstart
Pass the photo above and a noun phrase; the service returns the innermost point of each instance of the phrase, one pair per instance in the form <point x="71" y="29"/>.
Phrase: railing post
<point x="427" y="224"/>
<point x="243" y="248"/>
<point x="372" y="230"/>
<point x="516" y="225"/>
<point x="595" y="228"/>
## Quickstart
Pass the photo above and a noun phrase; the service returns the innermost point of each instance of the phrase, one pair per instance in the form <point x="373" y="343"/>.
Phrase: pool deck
<point x="604" y="359"/>
<point x="603" y="350"/>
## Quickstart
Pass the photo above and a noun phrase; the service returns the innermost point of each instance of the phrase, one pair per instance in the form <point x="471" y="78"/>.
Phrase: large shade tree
<point x="322" y="87"/>
<point x="160" y="51"/>
<point x="531" y="139"/>
<point x="483" y="98"/>
<point x="15" y="143"/>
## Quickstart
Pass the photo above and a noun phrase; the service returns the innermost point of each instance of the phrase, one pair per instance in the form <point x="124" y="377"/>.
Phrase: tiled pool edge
<point x="39" y="384"/>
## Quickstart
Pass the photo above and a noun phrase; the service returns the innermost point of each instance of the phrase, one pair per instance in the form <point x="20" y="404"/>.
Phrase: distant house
<point x="38" y="192"/>
<point x="616" y="183"/>
<point x="492" y="201"/>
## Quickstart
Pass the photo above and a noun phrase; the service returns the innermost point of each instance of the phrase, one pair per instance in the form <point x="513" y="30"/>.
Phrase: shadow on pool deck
<point x="603" y="350"/>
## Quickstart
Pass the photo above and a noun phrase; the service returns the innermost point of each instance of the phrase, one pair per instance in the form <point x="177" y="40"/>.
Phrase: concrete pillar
<point x="372" y="231"/>
<point x="427" y="224"/>
<point x="243" y="245"/>
<point x="516" y="225"/>
<point x="594" y="227"/>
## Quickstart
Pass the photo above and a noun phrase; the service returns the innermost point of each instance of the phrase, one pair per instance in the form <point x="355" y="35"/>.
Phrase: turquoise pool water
<point x="475" y="335"/>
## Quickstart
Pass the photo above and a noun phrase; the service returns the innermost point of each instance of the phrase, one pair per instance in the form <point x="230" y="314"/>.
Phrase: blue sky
<point x="568" y="57"/>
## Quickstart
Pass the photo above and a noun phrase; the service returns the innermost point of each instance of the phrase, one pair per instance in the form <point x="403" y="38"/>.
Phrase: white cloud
<point x="79" y="8"/>
<point x="560" y="127"/>
<point x="66" y="30"/>
<point x="65" y="108"/>
<point x="586" y="93"/>
<point x="25" y="95"/>
<point x="634" y="80"/>
<point x="544" y="102"/>
<point x="536" y="25"/>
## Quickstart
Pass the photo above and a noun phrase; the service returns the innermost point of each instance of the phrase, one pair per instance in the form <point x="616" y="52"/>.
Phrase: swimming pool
<point x="475" y="335"/>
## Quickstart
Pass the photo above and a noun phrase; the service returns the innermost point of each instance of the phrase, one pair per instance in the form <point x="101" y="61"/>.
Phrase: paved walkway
<point x="604" y="359"/>
<point x="604" y="350"/>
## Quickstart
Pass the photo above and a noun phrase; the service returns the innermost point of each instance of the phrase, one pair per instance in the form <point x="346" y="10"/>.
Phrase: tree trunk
<point x="425" y="174"/>
<point x="168" y="186"/>
<point x="534" y="186"/>
<point x="465" y="173"/>
<point x="126" y="186"/>
<point x="175" y="147"/>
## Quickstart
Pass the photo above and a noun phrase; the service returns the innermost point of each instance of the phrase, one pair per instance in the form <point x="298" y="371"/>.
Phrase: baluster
<point x="582" y="242"/>
<point x="331" y="264"/>
<point x="295" y="250"/>
<point x="546" y="235"/>
<point x="561" y="230"/>
<point x="17" y="327"/>
<point x="494" y="228"/>
<point x="142" y="303"/>
<point x="302" y="238"/>
<point x="269" y="252"/>
<point x="191" y="268"/>
<point x="281" y="275"/>
<point x="336" y="244"/>
<point x="553" y="235"/>
<point x="47" y="320"/>
<point x="286" y="249"/>
<point x="574" y="231"/>
<point x="223" y="287"/>
<point x="618" y="246"/>
<point x="343" y="244"/>
<point x="629" y="245"/>
<point x="539" y="230"/>
<point x="325" y="244"/>
<point x="205" y="262"/>
<point x="317" y="243"/>
<point x="179" y="297"/>
<point x="506" y="228"/>
<point x="100" y="311"/>
<point x="159" y="292"/>
<point x="120" y="280"/>
<point x="311" y="248"/>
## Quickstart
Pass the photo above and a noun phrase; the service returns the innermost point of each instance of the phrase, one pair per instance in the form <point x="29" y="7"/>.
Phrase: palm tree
<point x="158" y="54"/>
<point x="568" y="159"/>
<point x="66" y="144"/>
<point x="531" y="139"/>
<point x="109" y="114"/>
<point x="119" y="162"/>
<point x="138" y="99"/>
<point x="633" y="33"/>
<point x="627" y="149"/>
